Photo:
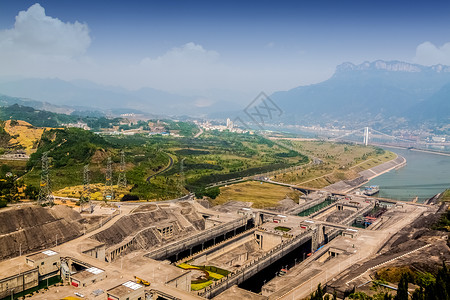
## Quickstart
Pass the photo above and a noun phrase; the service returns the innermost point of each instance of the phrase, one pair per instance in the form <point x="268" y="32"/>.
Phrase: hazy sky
<point x="245" y="46"/>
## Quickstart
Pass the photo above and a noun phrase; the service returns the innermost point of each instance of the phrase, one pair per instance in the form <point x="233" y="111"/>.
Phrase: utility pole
<point x="45" y="193"/>
<point x="122" y="181"/>
<point x="108" y="193"/>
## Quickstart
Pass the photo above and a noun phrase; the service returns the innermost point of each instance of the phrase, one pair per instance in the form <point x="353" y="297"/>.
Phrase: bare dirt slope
<point x="32" y="228"/>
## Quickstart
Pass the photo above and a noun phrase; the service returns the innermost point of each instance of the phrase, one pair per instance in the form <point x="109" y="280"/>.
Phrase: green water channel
<point x="315" y="208"/>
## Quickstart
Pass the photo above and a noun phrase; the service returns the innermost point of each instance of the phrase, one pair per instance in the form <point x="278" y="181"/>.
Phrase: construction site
<point x="185" y="249"/>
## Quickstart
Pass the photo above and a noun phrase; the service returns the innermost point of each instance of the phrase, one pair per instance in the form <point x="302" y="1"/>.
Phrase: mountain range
<point x="369" y="93"/>
<point x="372" y="92"/>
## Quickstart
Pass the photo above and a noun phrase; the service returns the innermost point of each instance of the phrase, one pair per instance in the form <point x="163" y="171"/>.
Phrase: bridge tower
<point x="122" y="181"/>
<point x="366" y="136"/>
<point x="45" y="193"/>
<point x="108" y="193"/>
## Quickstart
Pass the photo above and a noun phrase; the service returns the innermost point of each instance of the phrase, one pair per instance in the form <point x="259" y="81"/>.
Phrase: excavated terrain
<point x="413" y="236"/>
<point x="32" y="228"/>
<point x="143" y="224"/>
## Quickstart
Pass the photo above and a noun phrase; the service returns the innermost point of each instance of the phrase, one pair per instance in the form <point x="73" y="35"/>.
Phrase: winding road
<point x="163" y="170"/>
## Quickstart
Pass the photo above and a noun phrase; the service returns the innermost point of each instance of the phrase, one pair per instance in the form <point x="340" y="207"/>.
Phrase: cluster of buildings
<point x="78" y="124"/>
<point x="230" y="126"/>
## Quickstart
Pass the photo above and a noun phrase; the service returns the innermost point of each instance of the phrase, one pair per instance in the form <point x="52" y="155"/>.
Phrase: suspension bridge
<point x="370" y="136"/>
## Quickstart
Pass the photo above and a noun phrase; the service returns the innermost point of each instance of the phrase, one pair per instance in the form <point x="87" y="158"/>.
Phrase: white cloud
<point x="39" y="44"/>
<point x="187" y="54"/>
<point x="188" y="66"/>
<point x="43" y="46"/>
<point x="429" y="54"/>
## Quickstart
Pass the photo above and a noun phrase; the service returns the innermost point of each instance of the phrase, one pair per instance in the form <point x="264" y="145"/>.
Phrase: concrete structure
<point x="127" y="291"/>
<point x="48" y="262"/>
<point x="17" y="278"/>
<point x="132" y="256"/>
<point x="86" y="277"/>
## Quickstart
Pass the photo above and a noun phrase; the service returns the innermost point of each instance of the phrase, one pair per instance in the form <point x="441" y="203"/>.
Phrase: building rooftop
<point x="93" y="271"/>
<point x="125" y="288"/>
<point x="41" y="255"/>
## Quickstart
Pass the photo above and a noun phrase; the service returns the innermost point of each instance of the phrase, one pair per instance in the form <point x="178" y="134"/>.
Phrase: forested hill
<point x="38" y="118"/>
<point x="44" y="118"/>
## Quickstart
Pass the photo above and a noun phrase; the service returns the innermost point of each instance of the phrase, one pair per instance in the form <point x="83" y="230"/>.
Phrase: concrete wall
<point x="47" y="265"/>
<point x="182" y="282"/>
<point x="196" y="239"/>
<point x="19" y="282"/>
<point x="256" y="265"/>
<point x="227" y="246"/>
<point x="268" y="240"/>
<point x="97" y="252"/>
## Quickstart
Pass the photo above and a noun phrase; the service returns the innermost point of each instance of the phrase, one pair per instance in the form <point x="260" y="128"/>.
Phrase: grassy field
<point x="262" y="195"/>
<point x="24" y="134"/>
<point x="446" y="196"/>
<point x="340" y="161"/>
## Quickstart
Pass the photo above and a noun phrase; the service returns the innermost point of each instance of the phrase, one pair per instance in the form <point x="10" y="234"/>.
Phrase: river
<point x="424" y="176"/>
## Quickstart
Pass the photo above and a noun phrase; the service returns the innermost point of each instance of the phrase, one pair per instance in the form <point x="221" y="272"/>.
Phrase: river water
<point x="424" y="176"/>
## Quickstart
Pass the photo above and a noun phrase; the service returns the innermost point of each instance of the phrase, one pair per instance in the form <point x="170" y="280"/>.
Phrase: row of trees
<point x="430" y="288"/>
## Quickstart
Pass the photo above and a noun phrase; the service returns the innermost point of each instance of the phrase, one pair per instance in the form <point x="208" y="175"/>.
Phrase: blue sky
<point x="198" y="46"/>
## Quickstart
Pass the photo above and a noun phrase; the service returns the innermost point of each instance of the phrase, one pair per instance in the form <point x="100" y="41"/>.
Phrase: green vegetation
<point x="446" y="196"/>
<point x="157" y="167"/>
<point x="183" y="128"/>
<point x="261" y="194"/>
<point x="165" y="167"/>
<point x="430" y="287"/>
<point x="214" y="274"/>
<point x="282" y="228"/>
<point x="39" y="118"/>
<point x="338" y="161"/>
<point x="210" y="192"/>
<point x="444" y="222"/>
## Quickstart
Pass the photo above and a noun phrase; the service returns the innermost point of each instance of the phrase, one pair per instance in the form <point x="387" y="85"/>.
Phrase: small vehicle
<point x="282" y="272"/>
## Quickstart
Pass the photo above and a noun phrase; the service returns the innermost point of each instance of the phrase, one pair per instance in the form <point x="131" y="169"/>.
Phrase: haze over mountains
<point x="372" y="91"/>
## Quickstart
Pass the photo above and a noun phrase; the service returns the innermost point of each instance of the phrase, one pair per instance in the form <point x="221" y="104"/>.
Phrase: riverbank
<point x="425" y="175"/>
<point x="365" y="176"/>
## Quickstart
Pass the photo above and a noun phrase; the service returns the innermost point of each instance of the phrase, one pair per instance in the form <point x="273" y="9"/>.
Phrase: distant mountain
<point x="106" y="98"/>
<point x="435" y="108"/>
<point x="8" y="101"/>
<point x="369" y="91"/>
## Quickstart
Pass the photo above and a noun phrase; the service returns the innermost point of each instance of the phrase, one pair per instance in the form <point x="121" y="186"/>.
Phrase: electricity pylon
<point x="86" y="195"/>
<point x="45" y="192"/>
<point x="108" y="193"/>
<point x="122" y="181"/>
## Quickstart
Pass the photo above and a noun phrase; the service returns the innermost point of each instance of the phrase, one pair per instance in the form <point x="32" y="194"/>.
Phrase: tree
<point x="318" y="294"/>
<point x="31" y="192"/>
<point x="402" y="290"/>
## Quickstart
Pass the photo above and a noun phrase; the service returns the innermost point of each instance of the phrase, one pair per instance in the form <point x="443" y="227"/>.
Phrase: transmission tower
<point x="45" y="193"/>
<point x="108" y="194"/>
<point x="122" y="181"/>
<point x="86" y="195"/>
